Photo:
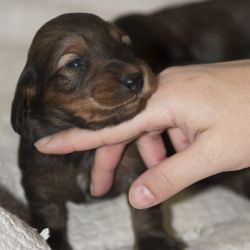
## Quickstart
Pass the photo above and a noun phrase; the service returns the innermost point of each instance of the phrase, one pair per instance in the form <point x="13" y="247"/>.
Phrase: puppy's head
<point x="80" y="71"/>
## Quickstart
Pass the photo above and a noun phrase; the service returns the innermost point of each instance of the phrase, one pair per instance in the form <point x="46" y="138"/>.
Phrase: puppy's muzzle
<point x="134" y="82"/>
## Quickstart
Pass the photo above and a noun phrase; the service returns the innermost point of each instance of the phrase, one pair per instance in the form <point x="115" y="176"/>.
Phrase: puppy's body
<point x="205" y="32"/>
<point x="80" y="72"/>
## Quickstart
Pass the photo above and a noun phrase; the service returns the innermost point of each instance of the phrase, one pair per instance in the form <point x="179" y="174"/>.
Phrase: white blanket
<point x="214" y="219"/>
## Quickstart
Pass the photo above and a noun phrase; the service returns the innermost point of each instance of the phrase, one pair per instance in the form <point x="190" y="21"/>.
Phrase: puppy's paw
<point x="58" y="243"/>
<point x="158" y="241"/>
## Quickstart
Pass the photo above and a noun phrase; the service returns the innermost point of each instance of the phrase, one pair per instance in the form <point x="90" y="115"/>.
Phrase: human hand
<point x="206" y="111"/>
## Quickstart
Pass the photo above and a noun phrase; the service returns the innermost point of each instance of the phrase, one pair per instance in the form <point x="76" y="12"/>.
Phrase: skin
<point x="206" y="111"/>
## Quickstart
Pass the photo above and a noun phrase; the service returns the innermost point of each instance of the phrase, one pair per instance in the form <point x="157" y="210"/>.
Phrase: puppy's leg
<point x="149" y="231"/>
<point x="47" y="211"/>
<point x="238" y="181"/>
<point x="148" y="223"/>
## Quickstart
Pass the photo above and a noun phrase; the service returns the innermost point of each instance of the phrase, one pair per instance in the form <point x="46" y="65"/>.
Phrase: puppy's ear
<point x="119" y="35"/>
<point x="24" y="97"/>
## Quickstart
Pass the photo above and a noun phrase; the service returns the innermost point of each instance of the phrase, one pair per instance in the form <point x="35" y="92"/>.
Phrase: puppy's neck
<point x="42" y="123"/>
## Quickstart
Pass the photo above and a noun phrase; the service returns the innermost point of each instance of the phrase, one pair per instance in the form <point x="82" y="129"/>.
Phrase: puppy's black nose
<point x="134" y="82"/>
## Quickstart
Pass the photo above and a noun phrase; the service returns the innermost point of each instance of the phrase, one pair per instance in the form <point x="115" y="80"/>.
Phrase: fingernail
<point x="142" y="197"/>
<point x="42" y="142"/>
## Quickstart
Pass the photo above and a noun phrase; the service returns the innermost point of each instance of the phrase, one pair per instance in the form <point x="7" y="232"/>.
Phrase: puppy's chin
<point x="117" y="115"/>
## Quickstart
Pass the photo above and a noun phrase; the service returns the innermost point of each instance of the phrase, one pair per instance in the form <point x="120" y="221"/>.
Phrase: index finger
<point x="76" y="139"/>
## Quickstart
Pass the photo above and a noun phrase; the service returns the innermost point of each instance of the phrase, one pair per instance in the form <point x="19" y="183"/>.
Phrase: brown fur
<point x="107" y="86"/>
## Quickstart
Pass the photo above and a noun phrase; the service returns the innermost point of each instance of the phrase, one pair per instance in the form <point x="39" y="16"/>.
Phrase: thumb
<point x="173" y="174"/>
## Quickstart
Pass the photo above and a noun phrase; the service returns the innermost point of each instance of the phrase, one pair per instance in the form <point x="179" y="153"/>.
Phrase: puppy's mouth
<point x="133" y="99"/>
<point x="113" y="116"/>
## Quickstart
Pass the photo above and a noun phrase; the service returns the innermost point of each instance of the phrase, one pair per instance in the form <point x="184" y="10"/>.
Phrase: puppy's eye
<point x="76" y="63"/>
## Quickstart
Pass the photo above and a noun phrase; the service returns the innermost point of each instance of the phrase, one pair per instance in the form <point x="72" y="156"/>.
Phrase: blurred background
<point x="215" y="220"/>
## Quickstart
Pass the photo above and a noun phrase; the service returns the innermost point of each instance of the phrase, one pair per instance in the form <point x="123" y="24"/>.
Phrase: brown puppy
<point x="80" y="72"/>
<point x="205" y="32"/>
